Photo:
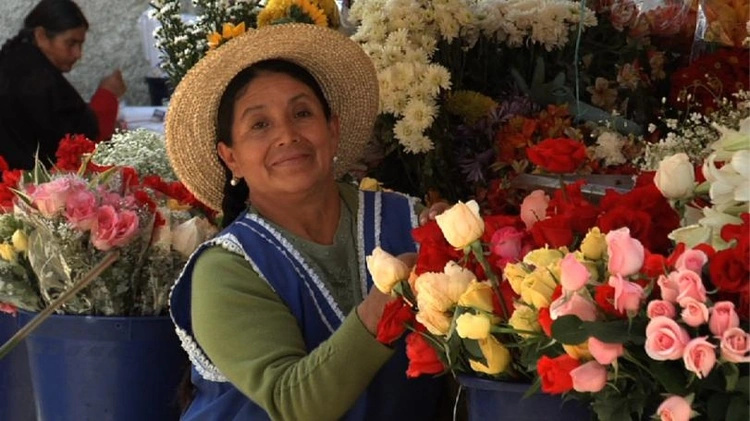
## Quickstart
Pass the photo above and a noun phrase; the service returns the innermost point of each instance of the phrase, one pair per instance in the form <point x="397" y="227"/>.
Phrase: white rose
<point x="386" y="270"/>
<point x="675" y="177"/>
<point x="187" y="236"/>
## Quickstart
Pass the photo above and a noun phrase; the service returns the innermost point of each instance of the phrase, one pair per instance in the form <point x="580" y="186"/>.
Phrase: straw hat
<point x="343" y="70"/>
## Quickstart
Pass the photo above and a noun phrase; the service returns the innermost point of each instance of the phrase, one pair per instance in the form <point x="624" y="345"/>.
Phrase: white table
<point x="149" y="118"/>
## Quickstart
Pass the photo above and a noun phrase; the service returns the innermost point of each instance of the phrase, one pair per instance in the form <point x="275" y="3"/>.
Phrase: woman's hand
<point x="429" y="214"/>
<point x="114" y="83"/>
<point x="371" y="309"/>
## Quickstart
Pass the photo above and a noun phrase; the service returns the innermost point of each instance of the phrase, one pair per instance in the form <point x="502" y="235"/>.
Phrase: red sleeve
<point x="104" y="104"/>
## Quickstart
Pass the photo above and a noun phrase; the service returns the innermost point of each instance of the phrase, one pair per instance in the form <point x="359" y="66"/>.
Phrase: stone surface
<point x="113" y="41"/>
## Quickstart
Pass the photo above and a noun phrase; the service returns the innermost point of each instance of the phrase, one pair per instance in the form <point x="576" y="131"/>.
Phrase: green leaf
<point x="611" y="332"/>
<point x="671" y="375"/>
<point x="471" y="346"/>
<point x="743" y="385"/>
<point x="716" y="406"/>
<point x="569" y="330"/>
<point x="732" y="375"/>
<point x="738" y="409"/>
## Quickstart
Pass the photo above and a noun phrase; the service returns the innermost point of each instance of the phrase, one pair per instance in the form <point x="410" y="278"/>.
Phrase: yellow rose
<point x="591" y="266"/>
<point x="497" y="355"/>
<point x="7" y="252"/>
<point x="20" y="241"/>
<point x="477" y="295"/>
<point x="436" y="322"/>
<point x="461" y="224"/>
<point x="594" y="244"/>
<point x="386" y="270"/>
<point x="537" y="288"/>
<point x="515" y="274"/>
<point x="431" y="291"/>
<point x="473" y="326"/>
<point x="369" y="184"/>
<point x="525" y="318"/>
<point x="543" y="257"/>
<point x="579" y="352"/>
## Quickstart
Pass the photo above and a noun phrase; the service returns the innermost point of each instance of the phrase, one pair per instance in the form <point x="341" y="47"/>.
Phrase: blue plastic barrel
<point x="489" y="400"/>
<point x="16" y="395"/>
<point x="105" y="368"/>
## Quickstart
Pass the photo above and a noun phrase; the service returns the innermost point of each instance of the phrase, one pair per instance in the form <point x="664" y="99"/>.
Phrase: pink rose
<point x="589" y="377"/>
<point x="576" y="305"/>
<point x="665" y="339"/>
<point x="80" y="209"/>
<point x="689" y="284"/>
<point x="674" y="408"/>
<point x="723" y="317"/>
<point x="694" y="313"/>
<point x="700" y="356"/>
<point x="625" y="253"/>
<point x="507" y="243"/>
<point x="126" y="228"/>
<point x="735" y="345"/>
<point x="628" y="295"/>
<point x="669" y="289"/>
<point x="573" y="274"/>
<point x="658" y="308"/>
<point x="603" y="352"/>
<point x="691" y="259"/>
<point x="534" y="208"/>
<point x="104" y="231"/>
<point x="49" y="198"/>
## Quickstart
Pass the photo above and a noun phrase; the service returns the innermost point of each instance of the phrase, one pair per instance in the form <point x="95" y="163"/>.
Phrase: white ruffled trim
<point x="202" y="364"/>
<point x="289" y="249"/>
<point x="378" y="210"/>
<point x="414" y="217"/>
<point x="361" y="244"/>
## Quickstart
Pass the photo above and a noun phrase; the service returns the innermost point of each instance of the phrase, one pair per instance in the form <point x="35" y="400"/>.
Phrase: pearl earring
<point x="234" y="181"/>
<point x="335" y="158"/>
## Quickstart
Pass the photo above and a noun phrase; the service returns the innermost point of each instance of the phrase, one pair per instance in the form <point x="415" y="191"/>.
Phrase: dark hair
<point x="55" y="16"/>
<point x="235" y="197"/>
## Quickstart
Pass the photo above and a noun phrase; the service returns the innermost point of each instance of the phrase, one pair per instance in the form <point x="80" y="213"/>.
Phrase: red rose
<point x="392" y="324"/>
<point x="434" y="250"/>
<point x="3" y="164"/>
<point x="637" y="221"/>
<point x="729" y="271"/>
<point x="654" y="264"/>
<point x="555" y="373"/>
<point x="11" y="178"/>
<point x="545" y="320"/>
<point x="423" y="359"/>
<point x="70" y="151"/>
<point x="605" y="298"/>
<point x="129" y="177"/>
<point x="554" y="231"/>
<point x="558" y="156"/>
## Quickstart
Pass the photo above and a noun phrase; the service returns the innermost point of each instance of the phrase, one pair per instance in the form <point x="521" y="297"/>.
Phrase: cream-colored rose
<point x="544" y="257"/>
<point x="20" y="241"/>
<point x="525" y="318"/>
<point x="594" y="245"/>
<point x="187" y="236"/>
<point x="497" y="355"/>
<point x="675" y="177"/>
<point x="461" y="224"/>
<point x="515" y="273"/>
<point x="432" y="294"/>
<point x="386" y="270"/>
<point x="7" y="252"/>
<point x="436" y="322"/>
<point x="537" y="288"/>
<point x="473" y="326"/>
<point x="477" y="295"/>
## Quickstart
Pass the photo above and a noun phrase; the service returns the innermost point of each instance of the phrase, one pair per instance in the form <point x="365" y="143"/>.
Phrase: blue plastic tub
<point x="105" y="368"/>
<point x="16" y="394"/>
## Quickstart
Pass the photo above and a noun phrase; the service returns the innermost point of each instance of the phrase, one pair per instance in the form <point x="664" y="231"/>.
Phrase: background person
<point x="38" y="106"/>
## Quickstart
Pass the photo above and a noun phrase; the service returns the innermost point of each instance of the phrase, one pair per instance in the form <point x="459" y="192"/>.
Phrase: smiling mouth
<point x="291" y="160"/>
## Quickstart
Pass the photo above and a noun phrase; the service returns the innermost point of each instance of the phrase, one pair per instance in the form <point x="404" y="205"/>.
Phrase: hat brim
<point x="345" y="73"/>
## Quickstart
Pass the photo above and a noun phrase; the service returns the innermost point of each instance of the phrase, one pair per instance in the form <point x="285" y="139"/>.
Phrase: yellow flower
<point x="537" y="288"/>
<point x="436" y="322"/>
<point x="214" y="40"/>
<point x="386" y="270"/>
<point x="7" y="252"/>
<point x="515" y="274"/>
<point x="369" y="184"/>
<point x="473" y="326"/>
<point x="497" y="355"/>
<point x="282" y="11"/>
<point x="175" y="205"/>
<point x="441" y="291"/>
<point x="461" y="224"/>
<point x="20" y="241"/>
<point x="469" y="105"/>
<point x="579" y="352"/>
<point x="477" y="295"/>
<point x="543" y="257"/>
<point x="594" y="244"/>
<point x="525" y="318"/>
<point x="230" y="30"/>
<point x="331" y="10"/>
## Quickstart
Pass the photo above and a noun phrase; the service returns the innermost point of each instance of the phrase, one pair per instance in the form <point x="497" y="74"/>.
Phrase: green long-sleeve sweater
<point x="254" y="340"/>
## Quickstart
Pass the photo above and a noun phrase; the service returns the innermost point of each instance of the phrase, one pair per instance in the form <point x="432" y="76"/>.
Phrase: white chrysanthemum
<point x="419" y="114"/>
<point x="417" y="144"/>
<point x="609" y="147"/>
<point x="438" y="77"/>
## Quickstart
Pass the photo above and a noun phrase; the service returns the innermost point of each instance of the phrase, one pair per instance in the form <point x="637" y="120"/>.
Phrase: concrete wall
<point x="113" y="41"/>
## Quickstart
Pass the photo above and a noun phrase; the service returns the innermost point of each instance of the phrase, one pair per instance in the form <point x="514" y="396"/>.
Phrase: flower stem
<point x="476" y="249"/>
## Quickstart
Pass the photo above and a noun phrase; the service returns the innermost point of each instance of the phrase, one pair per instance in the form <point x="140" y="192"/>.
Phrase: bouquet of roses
<point x="65" y="222"/>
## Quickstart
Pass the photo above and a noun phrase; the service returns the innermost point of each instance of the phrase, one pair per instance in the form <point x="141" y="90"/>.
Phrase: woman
<point x="38" y="106"/>
<point x="275" y="312"/>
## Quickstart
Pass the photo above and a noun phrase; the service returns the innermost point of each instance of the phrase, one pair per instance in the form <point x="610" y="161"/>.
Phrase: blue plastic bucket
<point x="489" y="400"/>
<point x="105" y="368"/>
<point x="16" y="394"/>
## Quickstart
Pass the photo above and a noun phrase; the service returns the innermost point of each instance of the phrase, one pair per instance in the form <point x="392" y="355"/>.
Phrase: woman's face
<point x="282" y="141"/>
<point x="64" y="49"/>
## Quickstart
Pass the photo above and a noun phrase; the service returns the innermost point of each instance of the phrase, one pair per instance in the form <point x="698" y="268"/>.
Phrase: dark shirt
<point x="38" y="107"/>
